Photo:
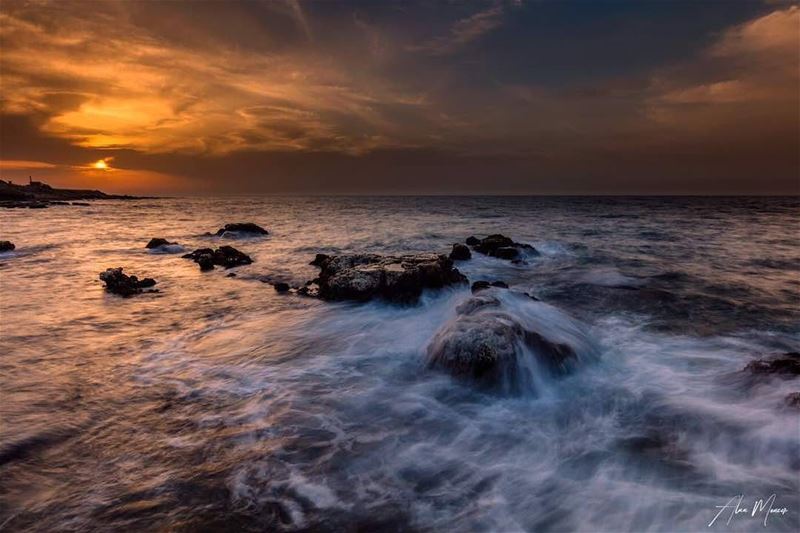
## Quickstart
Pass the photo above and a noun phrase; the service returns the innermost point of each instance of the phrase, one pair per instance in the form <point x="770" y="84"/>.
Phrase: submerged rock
<point x="281" y="286"/>
<point x="395" y="278"/>
<point x="787" y="364"/>
<point x="460" y="252"/>
<point x="501" y="247"/>
<point x="242" y="227"/>
<point x="6" y="246"/>
<point x="489" y="344"/>
<point x="157" y="242"/>
<point x="483" y="285"/>
<point x="224" y="256"/>
<point x="119" y="283"/>
<point x="792" y="400"/>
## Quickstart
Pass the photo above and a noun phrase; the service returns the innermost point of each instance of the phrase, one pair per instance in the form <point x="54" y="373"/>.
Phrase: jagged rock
<point x="473" y="240"/>
<point x="501" y="247"/>
<point x="787" y="364"/>
<point x="6" y="246"/>
<point x="242" y="227"/>
<point x="395" y="278"/>
<point x="488" y="345"/>
<point x="119" y="283"/>
<point x="224" y="256"/>
<point x="483" y="285"/>
<point x="281" y="286"/>
<point x="460" y="252"/>
<point x="156" y="242"/>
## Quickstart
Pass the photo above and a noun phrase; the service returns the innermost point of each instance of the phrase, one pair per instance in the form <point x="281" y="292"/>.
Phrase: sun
<point x="100" y="164"/>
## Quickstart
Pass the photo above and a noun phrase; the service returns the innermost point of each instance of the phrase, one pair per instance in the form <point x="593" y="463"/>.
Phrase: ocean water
<point x="217" y="403"/>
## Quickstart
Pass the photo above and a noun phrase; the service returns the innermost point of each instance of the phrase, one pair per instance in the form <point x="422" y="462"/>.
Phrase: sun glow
<point x="100" y="164"/>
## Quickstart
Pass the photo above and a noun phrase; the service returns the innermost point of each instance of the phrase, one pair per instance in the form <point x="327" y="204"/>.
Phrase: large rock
<point x="490" y="344"/>
<point x="224" y="256"/>
<point x="6" y="246"/>
<point x="242" y="227"/>
<point x="119" y="283"/>
<point x="460" y="252"/>
<point x="395" y="278"/>
<point x="501" y="247"/>
<point x="786" y="364"/>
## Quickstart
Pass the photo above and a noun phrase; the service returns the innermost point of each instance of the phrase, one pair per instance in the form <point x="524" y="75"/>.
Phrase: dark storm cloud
<point x="507" y="97"/>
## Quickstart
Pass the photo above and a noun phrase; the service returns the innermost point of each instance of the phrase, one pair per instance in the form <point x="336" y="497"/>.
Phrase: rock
<point x="483" y="285"/>
<point x="119" y="283"/>
<point x="395" y="278"/>
<point x="471" y="305"/>
<point x="506" y="252"/>
<point x="472" y="241"/>
<point x="156" y="242"/>
<point x="489" y="346"/>
<point x="786" y="364"/>
<point x="479" y="286"/>
<point x="224" y="256"/>
<point x="281" y="287"/>
<point x="460" y="253"/>
<point x="81" y="204"/>
<point x="6" y="246"/>
<point x="318" y="260"/>
<point x="792" y="400"/>
<point x="230" y="275"/>
<point x="501" y="247"/>
<point x="242" y="227"/>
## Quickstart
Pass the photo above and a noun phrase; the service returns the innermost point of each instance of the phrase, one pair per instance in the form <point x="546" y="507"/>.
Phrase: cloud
<point x="752" y="72"/>
<point x="463" y="32"/>
<point x="194" y="90"/>
<point x="106" y="82"/>
<point x="24" y="165"/>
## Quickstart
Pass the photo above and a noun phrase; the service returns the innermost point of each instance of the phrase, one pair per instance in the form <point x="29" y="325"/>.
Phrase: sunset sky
<point x="520" y="97"/>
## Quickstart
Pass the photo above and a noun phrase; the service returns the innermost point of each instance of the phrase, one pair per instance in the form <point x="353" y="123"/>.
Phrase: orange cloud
<point x="24" y="165"/>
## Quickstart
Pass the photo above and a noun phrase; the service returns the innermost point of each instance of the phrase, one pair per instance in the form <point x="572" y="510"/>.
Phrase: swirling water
<point x="217" y="403"/>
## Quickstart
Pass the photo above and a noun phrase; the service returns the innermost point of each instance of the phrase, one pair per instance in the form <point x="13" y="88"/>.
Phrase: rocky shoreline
<point x="38" y="195"/>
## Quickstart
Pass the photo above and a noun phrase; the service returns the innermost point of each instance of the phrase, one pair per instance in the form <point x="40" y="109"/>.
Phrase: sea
<point x="218" y="403"/>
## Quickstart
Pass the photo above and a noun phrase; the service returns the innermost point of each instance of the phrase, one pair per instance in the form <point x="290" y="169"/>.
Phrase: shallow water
<point x="217" y="403"/>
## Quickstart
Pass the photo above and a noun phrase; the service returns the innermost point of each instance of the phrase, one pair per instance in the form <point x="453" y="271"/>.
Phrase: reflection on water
<point x="218" y="403"/>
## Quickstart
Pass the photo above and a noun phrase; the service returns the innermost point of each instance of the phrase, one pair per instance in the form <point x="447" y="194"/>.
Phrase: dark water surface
<point x="219" y="404"/>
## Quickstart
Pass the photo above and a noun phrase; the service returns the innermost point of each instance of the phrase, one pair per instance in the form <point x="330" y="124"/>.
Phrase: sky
<point x="365" y="97"/>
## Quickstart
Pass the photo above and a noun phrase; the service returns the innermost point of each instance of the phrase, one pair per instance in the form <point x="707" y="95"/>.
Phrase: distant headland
<point x="36" y="194"/>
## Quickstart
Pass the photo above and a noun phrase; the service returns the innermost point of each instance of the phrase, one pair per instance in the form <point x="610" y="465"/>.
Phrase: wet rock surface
<point x="6" y="246"/>
<point x="224" y="256"/>
<point x="281" y="286"/>
<point x="243" y="228"/>
<point x="483" y="285"/>
<point x="120" y="283"/>
<point x="157" y="242"/>
<point x="488" y="345"/>
<point x="502" y="247"/>
<point x="787" y="364"/>
<point x="460" y="252"/>
<point x="792" y="400"/>
<point x="399" y="279"/>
